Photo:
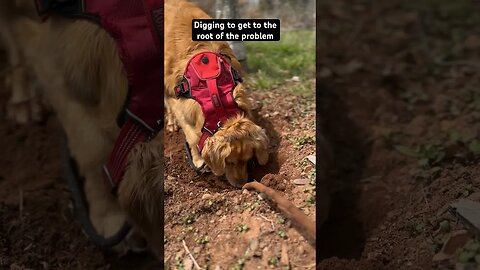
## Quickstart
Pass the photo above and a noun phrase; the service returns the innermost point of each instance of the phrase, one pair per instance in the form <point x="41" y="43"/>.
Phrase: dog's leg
<point x="17" y="77"/>
<point x="24" y="104"/>
<point x="89" y="146"/>
<point x="184" y="117"/>
<point x="171" y="123"/>
<point x="192" y="139"/>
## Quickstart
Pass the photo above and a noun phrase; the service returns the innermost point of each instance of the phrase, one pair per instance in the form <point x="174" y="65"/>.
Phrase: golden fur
<point x="24" y="104"/>
<point x="228" y="151"/>
<point x="81" y="77"/>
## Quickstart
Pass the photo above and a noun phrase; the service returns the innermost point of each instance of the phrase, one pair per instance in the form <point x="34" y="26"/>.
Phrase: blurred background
<point x="399" y="87"/>
<point x="270" y="64"/>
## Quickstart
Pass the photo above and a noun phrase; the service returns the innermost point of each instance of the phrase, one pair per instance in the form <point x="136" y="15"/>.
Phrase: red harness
<point x="137" y="27"/>
<point x="209" y="79"/>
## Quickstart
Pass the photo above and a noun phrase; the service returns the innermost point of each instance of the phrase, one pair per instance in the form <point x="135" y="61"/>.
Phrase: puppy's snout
<point x="237" y="177"/>
<point x="237" y="184"/>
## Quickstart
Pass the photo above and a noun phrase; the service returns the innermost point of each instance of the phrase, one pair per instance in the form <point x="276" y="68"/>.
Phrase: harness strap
<point x="203" y="138"/>
<point x="137" y="28"/>
<point x="190" y="159"/>
<point x="131" y="133"/>
<point x="215" y="99"/>
<point x="183" y="88"/>
<point x="210" y="80"/>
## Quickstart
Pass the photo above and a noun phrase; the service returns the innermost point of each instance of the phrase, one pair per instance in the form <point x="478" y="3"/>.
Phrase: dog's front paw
<point x="24" y="105"/>
<point x="198" y="162"/>
<point x="171" y="123"/>
<point x="136" y="242"/>
<point x="172" y="127"/>
<point x="25" y="112"/>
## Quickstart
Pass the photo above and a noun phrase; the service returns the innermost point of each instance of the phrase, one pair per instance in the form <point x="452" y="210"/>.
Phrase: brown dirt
<point x="37" y="226"/>
<point x="380" y="90"/>
<point x="38" y="229"/>
<point x="191" y="214"/>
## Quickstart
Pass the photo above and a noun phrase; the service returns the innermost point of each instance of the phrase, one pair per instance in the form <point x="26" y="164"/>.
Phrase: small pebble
<point x="312" y="159"/>
<point x="301" y="181"/>
<point x="207" y="196"/>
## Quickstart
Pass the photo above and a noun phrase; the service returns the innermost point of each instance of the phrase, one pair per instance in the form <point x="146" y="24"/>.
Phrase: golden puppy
<point x="80" y="72"/>
<point x="239" y="140"/>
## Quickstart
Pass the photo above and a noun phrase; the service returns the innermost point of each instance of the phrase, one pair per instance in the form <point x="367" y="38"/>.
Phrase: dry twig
<point x="190" y="254"/>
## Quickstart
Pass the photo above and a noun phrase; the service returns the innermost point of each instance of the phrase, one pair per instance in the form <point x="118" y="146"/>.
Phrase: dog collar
<point x="210" y="80"/>
<point x="137" y="28"/>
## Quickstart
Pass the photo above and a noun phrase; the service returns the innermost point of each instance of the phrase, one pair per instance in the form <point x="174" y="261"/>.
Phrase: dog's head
<point x="229" y="150"/>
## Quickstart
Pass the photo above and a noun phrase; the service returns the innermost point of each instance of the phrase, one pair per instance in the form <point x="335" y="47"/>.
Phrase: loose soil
<point x="380" y="93"/>
<point x="37" y="226"/>
<point x="381" y="96"/>
<point x="38" y="229"/>
<point x="229" y="228"/>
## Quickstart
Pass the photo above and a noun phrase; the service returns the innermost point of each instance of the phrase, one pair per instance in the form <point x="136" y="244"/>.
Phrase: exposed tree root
<point x="291" y="211"/>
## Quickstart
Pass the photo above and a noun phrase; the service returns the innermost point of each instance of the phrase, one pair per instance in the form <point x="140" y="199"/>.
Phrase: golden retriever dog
<point x="81" y="76"/>
<point x="228" y="151"/>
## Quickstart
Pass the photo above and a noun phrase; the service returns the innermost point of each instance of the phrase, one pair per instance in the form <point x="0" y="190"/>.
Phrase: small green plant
<point x="470" y="253"/>
<point x="281" y="220"/>
<point x="312" y="176"/>
<point x="273" y="261"/>
<point x="474" y="147"/>
<point x="242" y="227"/>
<point x="189" y="219"/>
<point x="299" y="142"/>
<point x="311" y="200"/>
<point x="180" y="265"/>
<point x="282" y="234"/>
<point x="444" y="226"/>
<point x="428" y="155"/>
<point x="239" y="265"/>
<point x="416" y="229"/>
<point x="202" y="240"/>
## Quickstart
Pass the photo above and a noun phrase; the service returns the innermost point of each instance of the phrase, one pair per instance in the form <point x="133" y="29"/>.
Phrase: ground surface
<point x="37" y="226"/>
<point x="221" y="226"/>
<point x="227" y="227"/>
<point x="402" y="116"/>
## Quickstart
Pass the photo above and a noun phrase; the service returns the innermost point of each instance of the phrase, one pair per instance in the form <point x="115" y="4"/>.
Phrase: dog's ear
<point x="215" y="151"/>
<point x="240" y="95"/>
<point x="261" y="146"/>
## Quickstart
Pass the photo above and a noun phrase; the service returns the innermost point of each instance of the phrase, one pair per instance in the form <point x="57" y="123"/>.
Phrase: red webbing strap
<point x="136" y="27"/>
<point x="215" y="99"/>
<point x="130" y="134"/>
<point x="217" y="104"/>
<point x="205" y="135"/>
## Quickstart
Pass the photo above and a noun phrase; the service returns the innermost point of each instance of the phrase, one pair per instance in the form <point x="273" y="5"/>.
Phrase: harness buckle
<point x="235" y="75"/>
<point x="183" y="88"/>
<point x="156" y="129"/>
<point x="208" y="130"/>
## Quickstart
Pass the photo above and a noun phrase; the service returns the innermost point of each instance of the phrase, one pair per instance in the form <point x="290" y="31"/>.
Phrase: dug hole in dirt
<point x="400" y="104"/>
<point x="225" y="227"/>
